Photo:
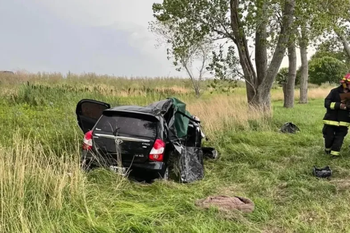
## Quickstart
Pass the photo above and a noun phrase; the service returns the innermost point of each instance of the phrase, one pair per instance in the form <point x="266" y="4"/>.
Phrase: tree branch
<point x="344" y="42"/>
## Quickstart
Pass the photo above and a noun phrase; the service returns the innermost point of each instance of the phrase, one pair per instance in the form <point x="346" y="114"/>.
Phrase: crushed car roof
<point x="132" y="108"/>
<point x="180" y="117"/>
<point x="155" y="109"/>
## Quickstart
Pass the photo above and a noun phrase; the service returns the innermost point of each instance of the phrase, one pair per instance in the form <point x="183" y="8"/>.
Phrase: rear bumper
<point x="149" y="165"/>
<point x="152" y="166"/>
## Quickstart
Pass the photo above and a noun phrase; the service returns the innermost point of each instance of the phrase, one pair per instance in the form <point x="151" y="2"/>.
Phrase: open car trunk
<point x="88" y="112"/>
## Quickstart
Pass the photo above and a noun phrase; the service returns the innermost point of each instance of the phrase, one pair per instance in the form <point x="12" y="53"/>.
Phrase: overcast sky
<point x="102" y="36"/>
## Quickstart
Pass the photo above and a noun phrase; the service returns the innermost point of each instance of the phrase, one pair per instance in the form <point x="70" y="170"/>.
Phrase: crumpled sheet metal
<point x="188" y="166"/>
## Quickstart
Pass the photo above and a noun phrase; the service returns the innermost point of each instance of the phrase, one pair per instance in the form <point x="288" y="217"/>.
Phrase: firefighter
<point x="336" y="120"/>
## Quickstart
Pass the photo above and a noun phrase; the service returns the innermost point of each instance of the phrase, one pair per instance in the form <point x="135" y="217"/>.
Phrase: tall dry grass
<point x="313" y="93"/>
<point x="92" y="79"/>
<point x="221" y="112"/>
<point x="35" y="186"/>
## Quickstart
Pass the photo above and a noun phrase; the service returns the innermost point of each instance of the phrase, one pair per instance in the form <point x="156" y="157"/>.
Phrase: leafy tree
<point x="342" y="28"/>
<point x="339" y="13"/>
<point x="312" y="19"/>
<point x="332" y="48"/>
<point x="282" y="76"/>
<point x="343" y="35"/>
<point x="326" y="69"/>
<point x="234" y="22"/>
<point x="184" y="57"/>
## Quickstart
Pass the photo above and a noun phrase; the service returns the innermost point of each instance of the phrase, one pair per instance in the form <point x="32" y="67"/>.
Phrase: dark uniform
<point x="336" y="122"/>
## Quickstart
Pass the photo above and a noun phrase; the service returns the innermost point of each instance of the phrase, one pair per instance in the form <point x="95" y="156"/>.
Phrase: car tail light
<point x="87" y="144"/>
<point x="157" y="151"/>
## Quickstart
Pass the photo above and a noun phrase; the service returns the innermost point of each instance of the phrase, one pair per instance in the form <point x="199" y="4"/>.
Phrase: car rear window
<point x="127" y="126"/>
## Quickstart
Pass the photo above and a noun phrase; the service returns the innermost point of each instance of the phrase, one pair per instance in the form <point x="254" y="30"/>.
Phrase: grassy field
<point x="43" y="190"/>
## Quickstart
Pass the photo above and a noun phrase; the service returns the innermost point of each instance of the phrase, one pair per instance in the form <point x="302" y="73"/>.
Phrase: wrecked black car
<point x="162" y="139"/>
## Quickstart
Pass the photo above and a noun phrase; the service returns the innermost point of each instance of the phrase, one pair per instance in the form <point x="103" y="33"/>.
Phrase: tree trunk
<point x="261" y="44"/>
<point x="290" y="84"/>
<point x="304" y="68"/>
<point x="283" y="41"/>
<point x="243" y="51"/>
<point x="195" y="83"/>
<point x="259" y="87"/>
<point x="284" y="90"/>
<point x="196" y="88"/>
<point x="261" y="101"/>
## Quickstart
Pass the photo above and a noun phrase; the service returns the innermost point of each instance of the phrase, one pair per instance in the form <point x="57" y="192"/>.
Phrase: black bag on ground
<point x="322" y="172"/>
<point x="289" y="127"/>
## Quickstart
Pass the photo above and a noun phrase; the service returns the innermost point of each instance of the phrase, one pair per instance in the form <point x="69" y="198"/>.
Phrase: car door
<point x="88" y="112"/>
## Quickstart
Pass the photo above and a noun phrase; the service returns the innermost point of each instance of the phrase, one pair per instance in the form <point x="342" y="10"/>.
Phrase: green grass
<point x="43" y="190"/>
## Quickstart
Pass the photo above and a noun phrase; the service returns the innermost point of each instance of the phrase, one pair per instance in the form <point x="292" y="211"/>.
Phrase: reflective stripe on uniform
<point x="343" y="123"/>
<point x="336" y="123"/>
<point x="335" y="153"/>
<point x="332" y="106"/>
<point x="328" y="149"/>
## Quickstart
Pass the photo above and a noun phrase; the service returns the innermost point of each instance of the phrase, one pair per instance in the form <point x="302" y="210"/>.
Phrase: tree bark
<point x="283" y="41"/>
<point x="242" y="46"/>
<point x="290" y="84"/>
<point x="261" y="44"/>
<point x="284" y="90"/>
<point x="259" y="87"/>
<point x="304" y="68"/>
<point x="194" y="83"/>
